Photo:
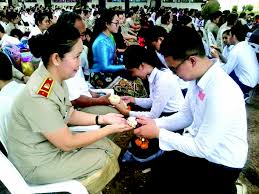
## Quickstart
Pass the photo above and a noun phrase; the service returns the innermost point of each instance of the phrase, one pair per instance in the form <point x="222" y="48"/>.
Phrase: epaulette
<point x="46" y="87"/>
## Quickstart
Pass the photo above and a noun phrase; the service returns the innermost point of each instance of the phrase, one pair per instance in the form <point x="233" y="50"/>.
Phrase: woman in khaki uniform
<point x="40" y="143"/>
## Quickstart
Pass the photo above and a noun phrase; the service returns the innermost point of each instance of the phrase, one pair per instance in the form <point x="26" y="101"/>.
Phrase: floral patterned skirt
<point x="121" y="86"/>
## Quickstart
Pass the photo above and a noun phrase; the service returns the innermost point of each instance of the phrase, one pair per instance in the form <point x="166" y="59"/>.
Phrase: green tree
<point x="243" y="8"/>
<point x="249" y="7"/>
<point x="234" y="9"/>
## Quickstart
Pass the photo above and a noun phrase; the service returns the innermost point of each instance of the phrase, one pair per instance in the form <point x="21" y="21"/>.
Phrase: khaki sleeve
<point x="43" y="115"/>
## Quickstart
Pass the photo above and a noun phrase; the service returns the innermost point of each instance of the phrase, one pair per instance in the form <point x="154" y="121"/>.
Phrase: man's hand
<point x="105" y="99"/>
<point x="128" y="99"/>
<point x="148" y="128"/>
<point x="115" y="128"/>
<point x="122" y="108"/>
<point x="214" y="52"/>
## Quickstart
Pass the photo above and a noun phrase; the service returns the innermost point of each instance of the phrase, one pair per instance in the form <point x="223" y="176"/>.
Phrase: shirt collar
<point x="37" y="29"/>
<point x="152" y="76"/>
<point x="44" y="71"/>
<point x="58" y="88"/>
<point x="202" y="83"/>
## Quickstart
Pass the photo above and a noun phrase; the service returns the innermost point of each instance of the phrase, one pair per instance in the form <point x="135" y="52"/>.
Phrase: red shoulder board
<point x="46" y="87"/>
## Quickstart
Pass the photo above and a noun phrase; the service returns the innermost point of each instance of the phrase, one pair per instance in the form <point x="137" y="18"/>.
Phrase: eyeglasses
<point x="116" y="23"/>
<point x="174" y="69"/>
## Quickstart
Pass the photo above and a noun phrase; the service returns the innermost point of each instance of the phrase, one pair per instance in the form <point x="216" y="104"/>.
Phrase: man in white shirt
<point x="81" y="97"/>
<point x="78" y="87"/>
<point x="227" y="47"/>
<point x="231" y="20"/>
<point x="209" y="157"/>
<point x="9" y="89"/>
<point x="242" y="64"/>
<point x="154" y="36"/>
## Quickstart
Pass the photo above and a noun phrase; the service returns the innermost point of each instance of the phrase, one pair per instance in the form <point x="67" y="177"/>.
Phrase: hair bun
<point x="37" y="45"/>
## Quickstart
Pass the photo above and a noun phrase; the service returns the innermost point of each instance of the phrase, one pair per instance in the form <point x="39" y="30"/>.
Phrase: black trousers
<point x="177" y="173"/>
<point x="245" y="89"/>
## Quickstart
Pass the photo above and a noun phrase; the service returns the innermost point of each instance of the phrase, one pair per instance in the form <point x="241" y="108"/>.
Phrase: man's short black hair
<point x="183" y="41"/>
<point x="240" y="31"/>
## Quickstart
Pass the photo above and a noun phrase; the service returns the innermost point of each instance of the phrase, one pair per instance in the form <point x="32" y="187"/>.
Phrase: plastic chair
<point x="15" y="183"/>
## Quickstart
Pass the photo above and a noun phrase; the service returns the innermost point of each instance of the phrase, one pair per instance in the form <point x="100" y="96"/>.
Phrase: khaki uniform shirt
<point x="36" y="158"/>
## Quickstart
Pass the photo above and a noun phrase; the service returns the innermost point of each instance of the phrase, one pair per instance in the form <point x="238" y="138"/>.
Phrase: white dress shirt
<point x="6" y="39"/>
<point x="7" y="96"/>
<point x="35" y="31"/>
<point x="226" y="51"/>
<point x="77" y="86"/>
<point x="9" y="27"/>
<point x="219" y="40"/>
<point x="242" y="59"/>
<point x="84" y="61"/>
<point x="215" y="111"/>
<point x="165" y="95"/>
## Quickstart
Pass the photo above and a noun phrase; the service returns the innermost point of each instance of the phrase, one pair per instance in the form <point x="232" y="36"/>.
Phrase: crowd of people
<point x="196" y="68"/>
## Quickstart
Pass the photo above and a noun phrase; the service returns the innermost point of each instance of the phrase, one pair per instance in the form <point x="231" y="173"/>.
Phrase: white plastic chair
<point x="15" y="183"/>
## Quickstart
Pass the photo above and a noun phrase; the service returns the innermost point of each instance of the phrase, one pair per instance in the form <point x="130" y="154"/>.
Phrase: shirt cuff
<point x="157" y="122"/>
<point x="133" y="114"/>
<point x="137" y="101"/>
<point x="165" y="139"/>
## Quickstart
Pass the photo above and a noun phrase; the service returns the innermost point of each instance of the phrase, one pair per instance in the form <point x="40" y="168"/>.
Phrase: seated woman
<point x="106" y="69"/>
<point x="42" y="22"/>
<point x="165" y="97"/>
<point x="102" y="56"/>
<point x="40" y="144"/>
